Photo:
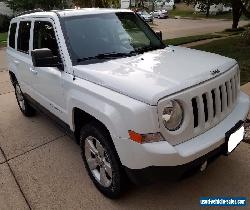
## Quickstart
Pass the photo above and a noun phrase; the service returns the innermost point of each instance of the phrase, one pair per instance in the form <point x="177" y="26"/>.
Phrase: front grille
<point x="214" y="103"/>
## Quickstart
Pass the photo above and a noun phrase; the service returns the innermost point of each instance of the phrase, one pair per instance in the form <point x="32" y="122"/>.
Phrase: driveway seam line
<point x="6" y="93"/>
<point x="17" y="183"/>
<point x="34" y="148"/>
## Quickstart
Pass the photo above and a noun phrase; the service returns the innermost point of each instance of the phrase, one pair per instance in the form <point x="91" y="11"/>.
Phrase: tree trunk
<point x="208" y="9"/>
<point x="237" y="11"/>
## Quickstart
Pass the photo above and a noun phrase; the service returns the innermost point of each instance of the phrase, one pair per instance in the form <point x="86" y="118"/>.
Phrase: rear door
<point x="20" y="54"/>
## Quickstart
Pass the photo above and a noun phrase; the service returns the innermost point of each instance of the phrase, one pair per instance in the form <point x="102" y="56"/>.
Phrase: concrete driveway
<point x="173" y="28"/>
<point x="41" y="168"/>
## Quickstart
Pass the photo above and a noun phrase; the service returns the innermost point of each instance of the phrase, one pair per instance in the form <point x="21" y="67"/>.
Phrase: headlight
<point x="172" y="116"/>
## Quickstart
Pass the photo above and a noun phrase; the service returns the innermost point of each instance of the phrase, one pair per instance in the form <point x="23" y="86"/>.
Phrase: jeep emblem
<point x="214" y="72"/>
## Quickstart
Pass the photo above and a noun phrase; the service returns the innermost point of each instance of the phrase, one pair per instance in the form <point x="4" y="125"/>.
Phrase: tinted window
<point x="23" y="36"/>
<point x="44" y="37"/>
<point x="12" y="35"/>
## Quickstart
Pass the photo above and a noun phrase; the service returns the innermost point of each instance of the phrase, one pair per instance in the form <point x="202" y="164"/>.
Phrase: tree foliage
<point x="97" y="3"/>
<point x="204" y="5"/>
<point x="20" y="5"/>
<point x="239" y="7"/>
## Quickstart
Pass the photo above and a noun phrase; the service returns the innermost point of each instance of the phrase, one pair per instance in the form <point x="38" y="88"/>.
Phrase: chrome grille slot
<point x="221" y="98"/>
<point x="195" y="112"/>
<point x="229" y="93"/>
<point x="204" y="97"/>
<point x="213" y="98"/>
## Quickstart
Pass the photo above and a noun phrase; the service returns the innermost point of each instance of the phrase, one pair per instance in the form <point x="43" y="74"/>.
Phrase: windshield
<point x="107" y="36"/>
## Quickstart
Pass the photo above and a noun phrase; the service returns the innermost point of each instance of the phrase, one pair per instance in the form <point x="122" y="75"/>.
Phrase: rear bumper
<point x="141" y="156"/>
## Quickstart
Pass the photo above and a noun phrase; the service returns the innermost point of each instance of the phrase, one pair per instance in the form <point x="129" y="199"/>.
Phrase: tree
<point x="239" y="7"/>
<point x="20" y="5"/>
<point x="204" y="5"/>
<point x="97" y="3"/>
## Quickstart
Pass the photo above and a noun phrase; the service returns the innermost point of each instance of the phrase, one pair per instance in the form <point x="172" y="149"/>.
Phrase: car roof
<point x="87" y="11"/>
<point x="70" y="12"/>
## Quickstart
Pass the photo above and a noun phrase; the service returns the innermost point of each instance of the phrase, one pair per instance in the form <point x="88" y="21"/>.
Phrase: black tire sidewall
<point x="28" y="110"/>
<point x="94" y="130"/>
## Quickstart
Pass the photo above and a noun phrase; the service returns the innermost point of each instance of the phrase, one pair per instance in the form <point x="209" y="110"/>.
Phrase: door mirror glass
<point x="45" y="58"/>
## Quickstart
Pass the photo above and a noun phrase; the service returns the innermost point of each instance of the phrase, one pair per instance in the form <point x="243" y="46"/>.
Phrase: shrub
<point x="246" y="36"/>
<point x="4" y="23"/>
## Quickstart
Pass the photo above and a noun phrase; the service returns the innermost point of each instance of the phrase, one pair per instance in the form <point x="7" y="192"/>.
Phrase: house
<point x="5" y="10"/>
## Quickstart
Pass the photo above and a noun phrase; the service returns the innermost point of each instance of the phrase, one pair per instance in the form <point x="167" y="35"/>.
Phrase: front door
<point x="48" y="82"/>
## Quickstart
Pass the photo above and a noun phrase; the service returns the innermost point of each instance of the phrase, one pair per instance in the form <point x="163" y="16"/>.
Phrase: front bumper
<point x="153" y="174"/>
<point x="140" y="156"/>
<point x="156" y="173"/>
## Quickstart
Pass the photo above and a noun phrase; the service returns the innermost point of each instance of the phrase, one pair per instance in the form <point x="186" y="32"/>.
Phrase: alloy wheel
<point x="98" y="161"/>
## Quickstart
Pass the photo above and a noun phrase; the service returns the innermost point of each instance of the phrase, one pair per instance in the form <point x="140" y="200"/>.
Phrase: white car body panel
<point x="161" y="72"/>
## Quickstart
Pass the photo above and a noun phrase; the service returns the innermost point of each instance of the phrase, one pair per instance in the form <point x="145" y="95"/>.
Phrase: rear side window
<point x="23" y="36"/>
<point x="12" y="35"/>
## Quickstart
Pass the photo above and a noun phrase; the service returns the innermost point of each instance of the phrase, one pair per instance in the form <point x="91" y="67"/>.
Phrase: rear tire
<point x="23" y="104"/>
<point x="101" y="160"/>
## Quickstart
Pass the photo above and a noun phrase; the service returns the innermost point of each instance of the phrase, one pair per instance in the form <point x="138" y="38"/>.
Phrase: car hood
<point x="153" y="75"/>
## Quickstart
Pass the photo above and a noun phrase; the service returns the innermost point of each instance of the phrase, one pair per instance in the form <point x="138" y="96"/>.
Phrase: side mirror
<point x="159" y="34"/>
<point x="45" y="58"/>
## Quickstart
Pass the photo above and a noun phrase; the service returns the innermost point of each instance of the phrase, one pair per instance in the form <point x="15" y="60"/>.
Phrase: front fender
<point x="119" y="113"/>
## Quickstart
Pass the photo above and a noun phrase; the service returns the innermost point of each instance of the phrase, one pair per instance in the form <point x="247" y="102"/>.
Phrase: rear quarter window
<point x="23" y="36"/>
<point x="12" y="35"/>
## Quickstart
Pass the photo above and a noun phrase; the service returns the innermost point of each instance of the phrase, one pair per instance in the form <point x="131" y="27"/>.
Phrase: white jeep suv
<point x="138" y="108"/>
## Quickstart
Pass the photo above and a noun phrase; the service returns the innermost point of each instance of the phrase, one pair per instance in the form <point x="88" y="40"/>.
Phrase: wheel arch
<point x="13" y="78"/>
<point x="81" y="118"/>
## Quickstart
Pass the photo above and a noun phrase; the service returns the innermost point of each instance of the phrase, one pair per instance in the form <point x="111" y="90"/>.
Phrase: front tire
<point x="23" y="104"/>
<point x="101" y="160"/>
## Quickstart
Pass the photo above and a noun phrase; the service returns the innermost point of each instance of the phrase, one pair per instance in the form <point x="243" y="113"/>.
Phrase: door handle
<point x="33" y="70"/>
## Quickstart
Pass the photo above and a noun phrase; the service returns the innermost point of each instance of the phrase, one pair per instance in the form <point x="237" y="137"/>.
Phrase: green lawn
<point x="191" y="14"/>
<point x="188" y="39"/>
<point x="233" y="47"/>
<point x="3" y="39"/>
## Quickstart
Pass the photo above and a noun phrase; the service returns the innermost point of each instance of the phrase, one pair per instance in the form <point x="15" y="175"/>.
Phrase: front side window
<point x="44" y="37"/>
<point x="12" y="35"/>
<point x="102" y="36"/>
<point x="23" y="36"/>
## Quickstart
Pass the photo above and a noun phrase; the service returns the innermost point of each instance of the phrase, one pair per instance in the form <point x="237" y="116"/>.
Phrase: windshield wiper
<point x="147" y="48"/>
<point x="107" y="56"/>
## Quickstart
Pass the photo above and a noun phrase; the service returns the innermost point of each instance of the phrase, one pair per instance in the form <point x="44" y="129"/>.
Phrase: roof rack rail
<point x="29" y="12"/>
